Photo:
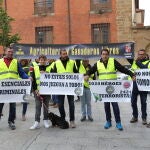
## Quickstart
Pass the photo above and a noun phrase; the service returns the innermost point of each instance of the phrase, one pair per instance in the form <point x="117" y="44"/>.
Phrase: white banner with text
<point x="61" y="84"/>
<point x="143" y="79"/>
<point x="13" y="90"/>
<point x="111" y="90"/>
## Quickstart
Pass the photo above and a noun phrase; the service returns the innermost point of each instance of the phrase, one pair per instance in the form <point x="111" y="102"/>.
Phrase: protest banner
<point x="143" y="79"/>
<point x="111" y="90"/>
<point x="13" y="90"/>
<point x="75" y="51"/>
<point x="61" y="84"/>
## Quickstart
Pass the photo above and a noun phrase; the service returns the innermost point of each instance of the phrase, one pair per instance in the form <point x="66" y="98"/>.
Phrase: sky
<point x="145" y="4"/>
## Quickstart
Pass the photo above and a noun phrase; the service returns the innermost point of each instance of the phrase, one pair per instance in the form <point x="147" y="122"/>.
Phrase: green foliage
<point x="6" y="38"/>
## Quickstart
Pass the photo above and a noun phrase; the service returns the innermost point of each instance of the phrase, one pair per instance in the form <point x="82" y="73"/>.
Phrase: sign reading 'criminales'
<point x="13" y="90"/>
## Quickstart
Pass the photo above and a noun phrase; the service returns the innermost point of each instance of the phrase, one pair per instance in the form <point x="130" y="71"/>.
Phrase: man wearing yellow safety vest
<point x="86" y="111"/>
<point x="66" y="65"/>
<point x="40" y="100"/>
<point x="11" y="69"/>
<point x="106" y="68"/>
<point x="139" y="63"/>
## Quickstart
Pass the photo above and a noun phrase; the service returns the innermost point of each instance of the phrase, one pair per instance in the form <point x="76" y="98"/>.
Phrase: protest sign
<point x="143" y="79"/>
<point x="111" y="90"/>
<point x="61" y="84"/>
<point x="13" y="90"/>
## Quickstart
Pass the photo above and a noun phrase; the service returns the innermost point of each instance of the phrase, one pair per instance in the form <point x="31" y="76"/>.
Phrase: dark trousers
<point x="1" y="108"/>
<point x="12" y="111"/>
<point x="143" y="97"/>
<point x="115" y="109"/>
<point x="24" y="108"/>
<point x="71" y="106"/>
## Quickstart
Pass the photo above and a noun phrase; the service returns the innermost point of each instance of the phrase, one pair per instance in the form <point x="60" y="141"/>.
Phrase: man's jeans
<point x="86" y="102"/>
<point x="12" y="111"/>
<point x="71" y="106"/>
<point x="143" y="97"/>
<point x="115" y="109"/>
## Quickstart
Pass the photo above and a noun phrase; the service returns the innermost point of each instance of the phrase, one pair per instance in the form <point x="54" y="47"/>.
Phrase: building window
<point x="43" y="7"/>
<point x="44" y="35"/>
<point x="100" y="33"/>
<point x="101" y="6"/>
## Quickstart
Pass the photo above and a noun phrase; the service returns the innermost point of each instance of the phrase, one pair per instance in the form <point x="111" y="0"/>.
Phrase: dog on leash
<point x="58" y="121"/>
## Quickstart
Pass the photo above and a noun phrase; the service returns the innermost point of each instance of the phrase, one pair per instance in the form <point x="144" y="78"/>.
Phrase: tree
<point x="6" y="38"/>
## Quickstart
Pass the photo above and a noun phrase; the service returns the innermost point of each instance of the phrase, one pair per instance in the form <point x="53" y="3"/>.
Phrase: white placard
<point x="143" y="79"/>
<point x="13" y="90"/>
<point x="61" y="84"/>
<point x="111" y="90"/>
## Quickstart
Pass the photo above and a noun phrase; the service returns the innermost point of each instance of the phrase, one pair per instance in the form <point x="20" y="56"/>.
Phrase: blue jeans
<point x="71" y="106"/>
<point x="86" y="102"/>
<point x="143" y="97"/>
<point x="115" y="109"/>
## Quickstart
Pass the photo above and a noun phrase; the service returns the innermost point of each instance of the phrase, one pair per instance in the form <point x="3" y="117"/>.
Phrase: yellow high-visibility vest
<point x="9" y="73"/>
<point x="135" y="67"/>
<point x="48" y="68"/>
<point x="68" y="69"/>
<point x="37" y="75"/>
<point x="107" y="73"/>
<point x="83" y="70"/>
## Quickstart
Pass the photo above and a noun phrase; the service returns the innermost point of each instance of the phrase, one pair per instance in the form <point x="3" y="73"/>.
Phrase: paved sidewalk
<point x="87" y="135"/>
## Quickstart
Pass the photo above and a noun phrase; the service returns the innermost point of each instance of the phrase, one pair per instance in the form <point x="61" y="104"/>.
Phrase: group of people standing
<point x="106" y="69"/>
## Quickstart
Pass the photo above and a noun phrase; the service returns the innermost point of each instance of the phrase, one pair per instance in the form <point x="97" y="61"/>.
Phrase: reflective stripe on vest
<point x="11" y="72"/>
<point x="68" y="69"/>
<point x="107" y="73"/>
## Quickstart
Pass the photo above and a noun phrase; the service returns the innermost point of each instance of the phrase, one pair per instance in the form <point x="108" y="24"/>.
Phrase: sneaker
<point x="133" y="120"/>
<point x="119" y="126"/>
<point x="36" y="125"/>
<point x="148" y="125"/>
<point x="12" y="126"/>
<point x="90" y="118"/>
<point x="144" y="121"/>
<point x="107" y="125"/>
<point x="23" y="118"/>
<point x="83" y="118"/>
<point x="72" y="124"/>
<point x="46" y="124"/>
